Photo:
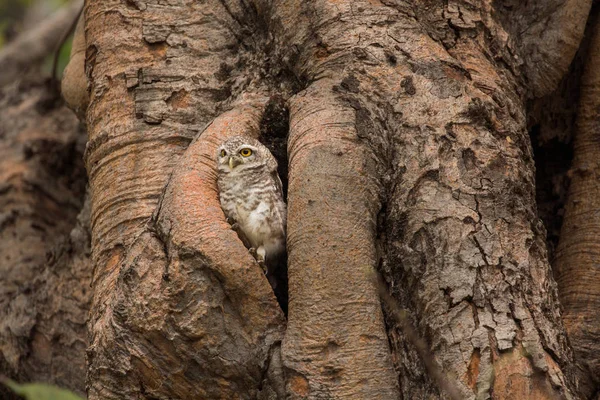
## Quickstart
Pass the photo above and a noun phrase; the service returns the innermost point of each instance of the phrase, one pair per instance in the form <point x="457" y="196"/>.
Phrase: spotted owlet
<point x="252" y="198"/>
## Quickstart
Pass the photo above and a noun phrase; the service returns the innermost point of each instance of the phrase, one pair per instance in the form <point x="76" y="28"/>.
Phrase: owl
<point x="251" y="197"/>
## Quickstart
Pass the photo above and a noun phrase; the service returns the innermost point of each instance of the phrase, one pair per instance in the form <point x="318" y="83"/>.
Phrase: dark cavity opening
<point x="553" y="160"/>
<point x="274" y="129"/>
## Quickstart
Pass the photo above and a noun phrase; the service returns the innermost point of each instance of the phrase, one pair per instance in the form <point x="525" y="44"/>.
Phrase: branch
<point x="74" y="82"/>
<point x="32" y="46"/>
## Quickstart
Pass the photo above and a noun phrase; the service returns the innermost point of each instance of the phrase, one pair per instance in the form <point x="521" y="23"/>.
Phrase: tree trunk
<point x="578" y="253"/>
<point x="409" y="157"/>
<point x="44" y="240"/>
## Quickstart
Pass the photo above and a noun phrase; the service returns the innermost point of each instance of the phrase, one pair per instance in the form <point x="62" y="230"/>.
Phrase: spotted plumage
<point x="251" y="197"/>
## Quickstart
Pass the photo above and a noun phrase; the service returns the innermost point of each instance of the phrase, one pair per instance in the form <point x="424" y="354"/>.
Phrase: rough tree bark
<point x="44" y="240"/>
<point x="408" y="155"/>
<point x="203" y="319"/>
<point x="45" y="269"/>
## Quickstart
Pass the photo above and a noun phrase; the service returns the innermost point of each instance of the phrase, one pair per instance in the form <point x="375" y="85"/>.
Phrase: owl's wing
<point x="242" y="236"/>
<point x="277" y="181"/>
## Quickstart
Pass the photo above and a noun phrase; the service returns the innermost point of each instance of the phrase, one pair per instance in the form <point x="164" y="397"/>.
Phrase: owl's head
<point x="241" y="152"/>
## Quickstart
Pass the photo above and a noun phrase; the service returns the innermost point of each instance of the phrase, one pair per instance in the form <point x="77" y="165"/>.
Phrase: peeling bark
<point x="462" y="241"/>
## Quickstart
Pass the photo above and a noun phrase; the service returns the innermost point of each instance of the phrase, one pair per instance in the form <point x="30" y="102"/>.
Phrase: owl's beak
<point x="234" y="162"/>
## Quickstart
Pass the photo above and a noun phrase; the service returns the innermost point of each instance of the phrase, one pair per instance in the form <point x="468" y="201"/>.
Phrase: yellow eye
<point x="246" y="152"/>
<point x="223" y="153"/>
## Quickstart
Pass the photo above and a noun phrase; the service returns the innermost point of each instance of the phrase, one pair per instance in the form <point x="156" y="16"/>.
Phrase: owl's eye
<point x="223" y="153"/>
<point x="246" y="152"/>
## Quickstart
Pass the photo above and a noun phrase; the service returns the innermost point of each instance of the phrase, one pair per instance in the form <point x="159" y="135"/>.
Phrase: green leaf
<point x="41" y="391"/>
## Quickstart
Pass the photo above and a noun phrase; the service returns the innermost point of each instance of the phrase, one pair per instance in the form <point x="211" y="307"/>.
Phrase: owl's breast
<point x="255" y="203"/>
<point x="262" y="220"/>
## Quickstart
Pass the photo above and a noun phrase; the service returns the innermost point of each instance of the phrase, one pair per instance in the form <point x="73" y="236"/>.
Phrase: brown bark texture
<point x="45" y="269"/>
<point x="408" y="156"/>
<point x="180" y="309"/>
<point x="544" y="35"/>
<point x="578" y="254"/>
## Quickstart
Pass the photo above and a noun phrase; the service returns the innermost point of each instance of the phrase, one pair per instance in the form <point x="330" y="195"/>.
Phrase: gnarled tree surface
<point x="408" y="155"/>
<point x="165" y="296"/>
<point x="543" y="37"/>
<point x="204" y="325"/>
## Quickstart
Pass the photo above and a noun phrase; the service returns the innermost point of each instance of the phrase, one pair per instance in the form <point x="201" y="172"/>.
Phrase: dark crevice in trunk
<point x="551" y="128"/>
<point x="552" y="162"/>
<point x="274" y="131"/>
